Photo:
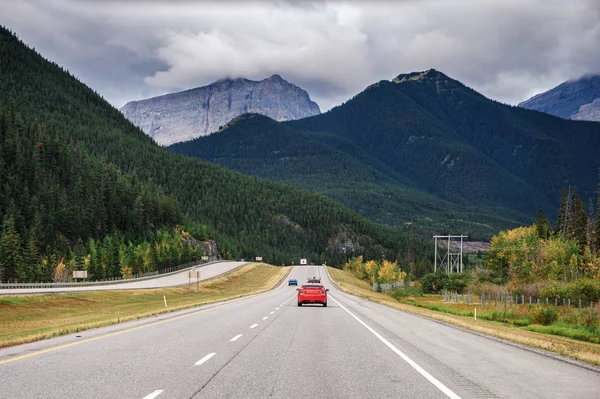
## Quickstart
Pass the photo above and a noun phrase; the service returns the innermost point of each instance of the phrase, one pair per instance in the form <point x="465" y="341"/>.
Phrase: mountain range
<point x="246" y="216"/>
<point x="422" y="148"/>
<point x="574" y="99"/>
<point x="185" y="115"/>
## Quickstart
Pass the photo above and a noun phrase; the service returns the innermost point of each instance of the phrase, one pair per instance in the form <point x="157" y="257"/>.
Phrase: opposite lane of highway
<point x="207" y="271"/>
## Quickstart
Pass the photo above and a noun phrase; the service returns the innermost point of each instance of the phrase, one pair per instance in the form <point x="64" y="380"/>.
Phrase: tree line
<point x="566" y="252"/>
<point x="62" y="209"/>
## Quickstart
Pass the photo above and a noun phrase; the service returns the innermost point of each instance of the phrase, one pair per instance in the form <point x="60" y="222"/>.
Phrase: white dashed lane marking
<point x="235" y="338"/>
<point x="154" y="394"/>
<point x="205" y="358"/>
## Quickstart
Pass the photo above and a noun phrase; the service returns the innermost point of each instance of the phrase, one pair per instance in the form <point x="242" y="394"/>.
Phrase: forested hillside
<point x="247" y="216"/>
<point x="454" y="143"/>
<point x="422" y="148"/>
<point x="336" y="167"/>
<point x="63" y="210"/>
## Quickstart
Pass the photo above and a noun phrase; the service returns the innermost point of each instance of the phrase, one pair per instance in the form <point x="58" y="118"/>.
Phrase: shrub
<point x="403" y="292"/>
<point x="585" y="289"/>
<point x="457" y="282"/>
<point x="488" y="289"/>
<point x="544" y="315"/>
<point x="590" y="320"/>
<point x="433" y="283"/>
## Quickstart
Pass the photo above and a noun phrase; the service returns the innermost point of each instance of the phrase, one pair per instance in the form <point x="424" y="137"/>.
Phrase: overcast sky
<point x="128" y="50"/>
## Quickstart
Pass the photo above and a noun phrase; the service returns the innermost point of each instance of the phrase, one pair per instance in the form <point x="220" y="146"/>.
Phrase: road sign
<point x="194" y="274"/>
<point x="79" y="273"/>
<point x="204" y="257"/>
<point x="259" y="259"/>
<point x="303" y="261"/>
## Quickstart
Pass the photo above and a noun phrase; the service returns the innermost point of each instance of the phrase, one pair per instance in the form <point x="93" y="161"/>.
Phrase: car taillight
<point x="321" y="292"/>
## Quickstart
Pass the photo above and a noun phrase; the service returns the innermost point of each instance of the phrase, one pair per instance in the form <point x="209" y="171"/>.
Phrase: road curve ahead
<point x="266" y="346"/>
<point x="207" y="271"/>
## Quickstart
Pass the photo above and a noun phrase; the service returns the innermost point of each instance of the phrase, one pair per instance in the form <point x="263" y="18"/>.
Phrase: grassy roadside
<point x="584" y="351"/>
<point x="34" y="317"/>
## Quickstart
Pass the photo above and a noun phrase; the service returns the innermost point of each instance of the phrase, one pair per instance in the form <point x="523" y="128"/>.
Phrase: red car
<point x="312" y="293"/>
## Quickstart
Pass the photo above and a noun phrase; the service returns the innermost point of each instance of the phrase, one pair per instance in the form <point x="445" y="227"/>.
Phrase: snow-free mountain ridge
<point x="574" y="99"/>
<point x="189" y="114"/>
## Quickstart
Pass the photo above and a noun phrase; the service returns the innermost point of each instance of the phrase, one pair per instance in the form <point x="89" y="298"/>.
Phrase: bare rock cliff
<point x="201" y="111"/>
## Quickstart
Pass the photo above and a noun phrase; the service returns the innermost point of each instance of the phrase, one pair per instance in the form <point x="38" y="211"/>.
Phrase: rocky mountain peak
<point x="574" y="99"/>
<point x="189" y="114"/>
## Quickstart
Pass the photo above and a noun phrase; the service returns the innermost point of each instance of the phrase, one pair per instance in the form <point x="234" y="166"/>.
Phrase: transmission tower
<point x="448" y="260"/>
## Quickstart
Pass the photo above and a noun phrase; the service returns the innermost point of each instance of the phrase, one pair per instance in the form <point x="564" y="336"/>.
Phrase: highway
<point x="265" y="346"/>
<point x="207" y="271"/>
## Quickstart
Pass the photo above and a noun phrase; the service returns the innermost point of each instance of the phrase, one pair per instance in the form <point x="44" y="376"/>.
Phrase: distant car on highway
<point x="313" y="280"/>
<point x="312" y="293"/>
<point x="292" y="281"/>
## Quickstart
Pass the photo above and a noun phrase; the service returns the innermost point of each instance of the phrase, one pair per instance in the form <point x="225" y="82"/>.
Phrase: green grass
<point x="564" y="329"/>
<point x="560" y="328"/>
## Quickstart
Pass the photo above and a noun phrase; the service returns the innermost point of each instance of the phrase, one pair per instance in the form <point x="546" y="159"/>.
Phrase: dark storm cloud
<point x="127" y="50"/>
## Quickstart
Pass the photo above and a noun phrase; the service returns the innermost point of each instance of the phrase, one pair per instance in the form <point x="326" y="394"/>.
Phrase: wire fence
<point x="385" y="287"/>
<point x="509" y="302"/>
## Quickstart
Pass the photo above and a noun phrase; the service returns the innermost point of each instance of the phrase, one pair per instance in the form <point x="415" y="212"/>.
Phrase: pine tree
<point x="589" y="229"/>
<point x="94" y="269"/>
<point x="563" y="211"/>
<point x="79" y="254"/>
<point x="11" y="258"/>
<point x="577" y="219"/>
<point x="597" y="227"/>
<point x="31" y="260"/>
<point x="542" y="224"/>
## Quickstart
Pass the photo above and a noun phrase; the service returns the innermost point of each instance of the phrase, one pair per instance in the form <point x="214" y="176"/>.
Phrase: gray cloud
<point x="508" y="49"/>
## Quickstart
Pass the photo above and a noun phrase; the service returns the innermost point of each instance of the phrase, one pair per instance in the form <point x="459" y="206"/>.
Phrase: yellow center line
<point x="118" y="332"/>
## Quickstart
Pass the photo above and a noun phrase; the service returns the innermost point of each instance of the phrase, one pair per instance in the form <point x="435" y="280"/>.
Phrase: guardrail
<point x="116" y="280"/>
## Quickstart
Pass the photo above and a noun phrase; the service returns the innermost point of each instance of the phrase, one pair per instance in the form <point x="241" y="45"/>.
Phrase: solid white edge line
<point x="447" y="391"/>
<point x="154" y="394"/>
<point x="253" y="325"/>
<point x="205" y="358"/>
<point x="236" y="338"/>
<point x="265" y="318"/>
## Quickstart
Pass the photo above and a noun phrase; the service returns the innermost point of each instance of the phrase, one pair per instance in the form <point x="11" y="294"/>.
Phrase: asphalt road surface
<point x="207" y="271"/>
<point x="266" y="346"/>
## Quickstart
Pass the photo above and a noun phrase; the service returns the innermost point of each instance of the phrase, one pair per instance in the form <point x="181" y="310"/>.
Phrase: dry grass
<point x="584" y="351"/>
<point x="33" y="317"/>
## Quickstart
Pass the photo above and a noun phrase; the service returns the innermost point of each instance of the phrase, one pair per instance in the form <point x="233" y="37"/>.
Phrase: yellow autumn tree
<point x="61" y="272"/>
<point x="126" y="272"/>
<point x="388" y="272"/>
<point x="354" y="264"/>
<point x="513" y="252"/>
<point x="370" y="270"/>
